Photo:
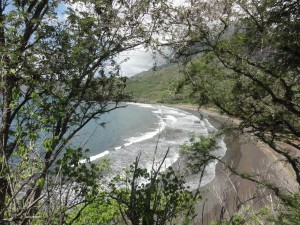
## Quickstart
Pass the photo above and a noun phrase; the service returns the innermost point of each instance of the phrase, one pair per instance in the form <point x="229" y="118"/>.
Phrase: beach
<point x="223" y="194"/>
<point x="228" y="193"/>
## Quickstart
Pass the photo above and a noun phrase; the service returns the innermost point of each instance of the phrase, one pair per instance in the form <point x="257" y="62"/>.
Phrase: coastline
<point x="245" y="154"/>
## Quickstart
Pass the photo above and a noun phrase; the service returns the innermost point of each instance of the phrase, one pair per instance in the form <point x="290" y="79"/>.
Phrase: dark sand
<point x="247" y="156"/>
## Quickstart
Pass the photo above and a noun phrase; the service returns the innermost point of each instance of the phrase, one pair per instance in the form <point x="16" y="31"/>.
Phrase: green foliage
<point x="139" y="197"/>
<point x="159" y="86"/>
<point x="283" y="212"/>
<point x="153" y="197"/>
<point x="249" y="69"/>
<point x="288" y="212"/>
<point x="58" y="72"/>
<point x="211" y="82"/>
<point x="84" y="177"/>
<point x="103" y="210"/>
<point x="235" y="220"/>
<point x="246" y="73"/>
<point x="250" y="72"/>
<point x="199" y="152"/>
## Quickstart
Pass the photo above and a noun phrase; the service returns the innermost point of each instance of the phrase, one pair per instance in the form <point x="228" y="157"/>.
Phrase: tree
<point x="250" y="68"/>
<point x="51" y="63"/>
<point x="153" y="197"/>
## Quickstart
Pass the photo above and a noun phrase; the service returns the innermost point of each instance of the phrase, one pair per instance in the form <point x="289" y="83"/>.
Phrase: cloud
<point x="138" y="60"/>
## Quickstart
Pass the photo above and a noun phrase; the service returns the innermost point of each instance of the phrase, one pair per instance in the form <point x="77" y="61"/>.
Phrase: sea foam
<point x="148" y="135"/>
<point x="141" y="105"/>
<point x="179" y="126"/>
<point x="95" y="157"/>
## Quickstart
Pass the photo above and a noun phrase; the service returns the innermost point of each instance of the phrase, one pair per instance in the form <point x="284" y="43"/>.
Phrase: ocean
<point x="147" y="129"/>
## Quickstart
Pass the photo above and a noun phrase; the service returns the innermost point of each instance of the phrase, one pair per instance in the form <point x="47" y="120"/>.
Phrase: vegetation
<point x="51" y="54"/>
<point x="138" y="196"/>
<point x="52" y="61"/>
<point x="250" y="70"/>
<point x="252" y="58"/>
<point x="159" y="86"/>
<point x="155" y="197"/>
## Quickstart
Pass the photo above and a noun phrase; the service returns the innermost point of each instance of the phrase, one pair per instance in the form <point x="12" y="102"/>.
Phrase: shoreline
<point x="224" y="195"/>
<point x="227" y="192"/>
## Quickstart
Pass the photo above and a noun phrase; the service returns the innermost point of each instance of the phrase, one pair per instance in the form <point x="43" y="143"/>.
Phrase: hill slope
<point x="158" y="86"/>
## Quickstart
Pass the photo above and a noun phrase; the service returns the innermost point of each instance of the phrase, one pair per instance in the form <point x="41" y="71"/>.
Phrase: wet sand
<point x="226" y="193"/>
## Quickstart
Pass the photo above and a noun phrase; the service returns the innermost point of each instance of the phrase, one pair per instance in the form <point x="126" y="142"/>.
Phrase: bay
<point x="147" y="129"/>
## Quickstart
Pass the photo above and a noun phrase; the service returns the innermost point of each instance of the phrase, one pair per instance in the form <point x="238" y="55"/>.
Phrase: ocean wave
<point x="95" y="157"/>
<point x="177" y="112"/>
<point x="158" y="111"/>
<point x="179" y="125"/>
<point x="169" y="161"/>
<point x="171" y="118"/>
<point x="148" y="135"/>
<point x="143" y="105"/>
<point x="210" y="170"/>
<point x="210" y="128"/>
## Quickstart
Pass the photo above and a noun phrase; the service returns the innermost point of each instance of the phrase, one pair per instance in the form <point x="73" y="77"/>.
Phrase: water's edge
<point x="173" y="127"/>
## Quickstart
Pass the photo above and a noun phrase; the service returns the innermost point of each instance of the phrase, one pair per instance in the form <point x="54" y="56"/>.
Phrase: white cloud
<point x="138" y="60"/>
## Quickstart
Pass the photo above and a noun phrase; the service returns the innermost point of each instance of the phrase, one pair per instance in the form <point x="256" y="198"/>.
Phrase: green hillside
<point x="158" y="86"/>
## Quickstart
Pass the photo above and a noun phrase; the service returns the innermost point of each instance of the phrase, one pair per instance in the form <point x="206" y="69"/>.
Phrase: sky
<point x="138" y="59"/>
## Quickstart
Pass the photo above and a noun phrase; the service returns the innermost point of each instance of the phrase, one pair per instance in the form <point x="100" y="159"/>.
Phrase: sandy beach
<point x="227" y="193"/>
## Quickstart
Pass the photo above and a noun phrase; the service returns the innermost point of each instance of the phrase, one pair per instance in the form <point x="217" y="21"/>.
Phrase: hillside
<point x="158" y="86"/>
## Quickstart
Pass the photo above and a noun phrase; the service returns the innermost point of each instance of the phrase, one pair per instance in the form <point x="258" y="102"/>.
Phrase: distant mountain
<point x="158" y="86"/>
